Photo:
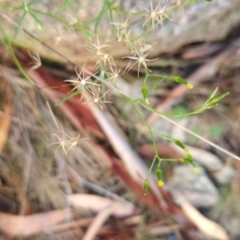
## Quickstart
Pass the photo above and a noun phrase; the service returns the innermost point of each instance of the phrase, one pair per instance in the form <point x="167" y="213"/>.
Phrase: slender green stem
<point x="150" y="169"/>
<point x="149" y="128"/>
<point x="9" y="44"/>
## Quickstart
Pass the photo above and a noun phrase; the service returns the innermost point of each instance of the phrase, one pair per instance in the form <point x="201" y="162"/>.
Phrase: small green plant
<point x="97" y="85"/>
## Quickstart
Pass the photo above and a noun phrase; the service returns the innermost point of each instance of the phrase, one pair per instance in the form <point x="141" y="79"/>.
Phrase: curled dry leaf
<point x="13" y="225"/>
<point x="99" y="220"/>
<point x="97" y="203"/>
<point x="205" y="225"/>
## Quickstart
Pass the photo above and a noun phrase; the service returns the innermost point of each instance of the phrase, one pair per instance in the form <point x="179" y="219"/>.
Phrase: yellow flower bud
<point x="196" y="170"/>
<point x="186" y="150"/>
<point x="160" y="183"/>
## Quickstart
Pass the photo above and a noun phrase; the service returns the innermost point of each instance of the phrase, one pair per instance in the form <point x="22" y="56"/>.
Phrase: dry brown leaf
<point x="97" y="203"/>
<point x="100" y="219"/>
<point x="205" y="225"/>
<point x="5" y="122"/>
<point x="6" y="111"/>
<point x="14" y="225"/>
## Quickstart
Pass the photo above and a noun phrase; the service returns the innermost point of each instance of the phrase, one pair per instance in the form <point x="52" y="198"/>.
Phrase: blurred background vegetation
<point x="91" y="191"/>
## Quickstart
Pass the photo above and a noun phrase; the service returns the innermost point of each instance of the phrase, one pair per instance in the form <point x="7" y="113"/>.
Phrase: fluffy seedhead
<point x="122" y="26"/>
<point x="98" y="99"/>
<point x="179" y="4"/>
<point x="140" y="59"/>
<point x="36" y="63"/>
<point x="106" y="60"/>
<point x="59" y="35"/>
<point x="114" y="73"/>
<point x="101" y="55"/>
<point x="81" y="81"/>
<point x="71" y="19"/>
<point x="96" y="47"/>
<point x="65" y="142"/>
<point x="155" y="15"/>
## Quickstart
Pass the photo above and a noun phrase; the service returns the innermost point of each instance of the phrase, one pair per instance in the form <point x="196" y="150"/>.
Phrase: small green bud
<point x="183" y="81"/>
<point x="145" y="95"/>
<point x="218" y="98"/>
<point x="159" y="177"/>
<point x="180" y="80"/>
<point x="212" y="95"/>
<point x="188" y="159"/>
<point x="178" y="143"/>
<point x="145" y="187"/>
<point x="159" y="174"/>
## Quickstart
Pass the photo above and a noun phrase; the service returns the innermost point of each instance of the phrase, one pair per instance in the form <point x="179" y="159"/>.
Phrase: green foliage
<point x="104" y="81"/>
<point x="26" y="8"/>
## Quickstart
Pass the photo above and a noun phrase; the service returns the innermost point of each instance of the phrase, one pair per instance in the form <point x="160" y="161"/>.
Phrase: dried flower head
<point x="96" y="47"/>
<point x="156" y="14"/>
<point x="81" y="81"/>
<point x="122" y="26"/>
<point x="140" y="59"/>
<point x="162" y="13"/>
<point x="66" y="142"/>
<point x="36" y="63"/>
<point x="71" y="19"/>
<point x="59" y="35"/>
<point x="106" y="59"/>
<point x="114" y="73"/>
<point x="179" y="4"/>
<point x="98" y="99"/>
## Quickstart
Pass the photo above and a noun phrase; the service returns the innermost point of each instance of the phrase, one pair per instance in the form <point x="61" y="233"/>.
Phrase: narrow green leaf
<point x="38" y="22"/>
<point x="180" y="80"/>
<point x="211" y="105"/>
<point x="179" y="143"/>
<point x="220" y="97"/>
<point x="67" y="97"/>
<point x="183" y="81"/>
<point x="17" y="62"/>
<point x="212" y="95"/>
<point x="19" y="24"/>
